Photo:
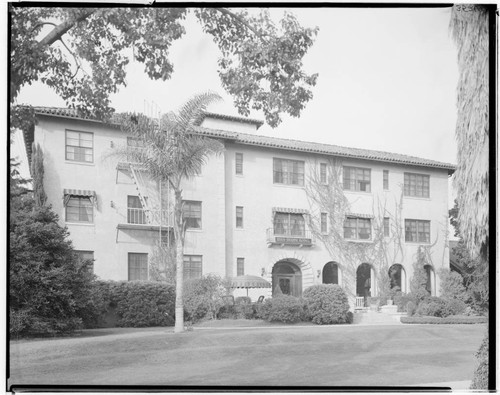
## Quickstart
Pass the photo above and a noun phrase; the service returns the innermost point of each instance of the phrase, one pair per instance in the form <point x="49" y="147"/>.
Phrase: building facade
<point x="296" y="213"/>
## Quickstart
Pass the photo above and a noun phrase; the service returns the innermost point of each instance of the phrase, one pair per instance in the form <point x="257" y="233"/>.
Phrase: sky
<point x="387" y="81"/>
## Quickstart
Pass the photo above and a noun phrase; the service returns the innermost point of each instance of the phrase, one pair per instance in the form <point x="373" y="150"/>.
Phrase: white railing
<point x="360" y="302"/>
<point x="141" y="216"/>
<point x="302" y="237"/>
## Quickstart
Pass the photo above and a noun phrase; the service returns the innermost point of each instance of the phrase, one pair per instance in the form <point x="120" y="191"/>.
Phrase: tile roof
<point x="285" y="144"/>
<point x="256" y="122"/>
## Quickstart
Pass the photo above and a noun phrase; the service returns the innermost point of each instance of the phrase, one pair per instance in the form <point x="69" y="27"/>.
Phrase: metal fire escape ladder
<point x="139" y="181"/>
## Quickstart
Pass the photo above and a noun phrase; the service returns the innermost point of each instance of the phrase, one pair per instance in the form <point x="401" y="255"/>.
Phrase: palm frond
<point x="190" y="113"/>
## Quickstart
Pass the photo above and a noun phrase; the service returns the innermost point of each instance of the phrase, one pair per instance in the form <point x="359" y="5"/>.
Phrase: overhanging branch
<point x="62" y="28"/>
<point x="241" y="21"/>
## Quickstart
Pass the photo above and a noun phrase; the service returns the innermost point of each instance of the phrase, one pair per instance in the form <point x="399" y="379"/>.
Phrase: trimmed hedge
<point x="447" y="320"/>
<point x="326" y="304"/>
<point x="283" y="308"/>
<point x="133" y="304"/>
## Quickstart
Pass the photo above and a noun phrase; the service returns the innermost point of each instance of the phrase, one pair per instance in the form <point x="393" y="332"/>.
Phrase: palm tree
<point x="469" y="29"/>
<point x="172" y="152"/>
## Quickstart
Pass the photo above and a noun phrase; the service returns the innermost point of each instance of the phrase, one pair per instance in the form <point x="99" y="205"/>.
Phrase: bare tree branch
<point x="42" y="24"/>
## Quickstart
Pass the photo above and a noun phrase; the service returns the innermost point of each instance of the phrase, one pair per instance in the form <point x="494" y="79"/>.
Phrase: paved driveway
<point x="346" y="355"/>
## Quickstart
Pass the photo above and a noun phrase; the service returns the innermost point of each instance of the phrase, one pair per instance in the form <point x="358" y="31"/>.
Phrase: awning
<point x="354" y="215"/>
<point x="68" y="193"/>
<point x="290" y="210"/>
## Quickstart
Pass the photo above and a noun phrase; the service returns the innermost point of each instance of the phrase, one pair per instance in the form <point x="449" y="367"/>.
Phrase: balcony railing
<point x="141" y="216"/>
<point x="303" y="238"/>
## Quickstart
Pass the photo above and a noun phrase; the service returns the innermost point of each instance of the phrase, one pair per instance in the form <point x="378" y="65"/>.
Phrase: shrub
<point x="411" y="307"/>
<point x="135" y="303"/>
<point x="144" y="303"/>
<point x="452" y="286"/>
<point x="432" y="306"/>
<point x="203" y="297"/>
<point x="453" y="307"/>
<point x="245" y="311"/>
<point x="480" y="378"/>
<point x="447" y="320"/>
<point x="50" y="288"/>
<point x="243" y="300"/>
<point x="285" y="308"/>
<point x="326" y="304"/>
<point x="401" y="300"/>
<point x="440" y="307"/>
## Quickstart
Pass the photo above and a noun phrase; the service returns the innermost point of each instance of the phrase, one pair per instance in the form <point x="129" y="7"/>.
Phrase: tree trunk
<point x="179" y="259"/>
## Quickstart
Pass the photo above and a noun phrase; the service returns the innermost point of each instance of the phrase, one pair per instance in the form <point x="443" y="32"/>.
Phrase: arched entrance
<point x="430" y="286"/>
<point x="288" y="277"/>
<point x="397" y="276"/>
<point x="331" y="273"/>
<point x="364" y="281"/>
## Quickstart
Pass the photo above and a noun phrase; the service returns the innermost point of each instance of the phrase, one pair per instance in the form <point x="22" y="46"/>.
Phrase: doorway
<point x="288" y="277"/>
<point x="331" y="273"/>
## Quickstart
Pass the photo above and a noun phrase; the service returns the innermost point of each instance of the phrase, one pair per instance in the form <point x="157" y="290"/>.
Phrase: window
<point x="192" y="214"/>
<point x="239" y="163"/>
<point x="137" y="266"/>
<point x="240" y="266"/>
<point x="289" y="172"/>
<point x="386" y="227"/>
<point x="86" y="256"/>
<point x="324" y="223"/>
<point x="79" y="209"/>
<point x="416" y="185"/>
<point x="289" y="224"/>
<point x="192" y="266"/>
<point x="79" y="146"/>
<point x="239" y="217"/>
<point x="357" y="179"/>
<point x="357" y="228"/>
<point x="322" y="173"/>
<point x="135" y="212"/>
<point x="386" y="179"/>
<point x="417" y="231"/>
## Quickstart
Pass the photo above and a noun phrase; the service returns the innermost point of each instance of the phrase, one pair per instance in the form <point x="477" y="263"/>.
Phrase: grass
<point x="342" y="355"/>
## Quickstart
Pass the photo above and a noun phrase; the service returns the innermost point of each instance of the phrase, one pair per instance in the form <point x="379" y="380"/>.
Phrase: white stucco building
<point x="296" y="213"/>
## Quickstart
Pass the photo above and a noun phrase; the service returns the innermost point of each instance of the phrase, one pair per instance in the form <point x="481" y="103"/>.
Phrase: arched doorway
<point x="331" y="273"/>
<point x="364" y="281"/>
<point x="288" y="277"/>
<point x="397" y="276"/>
<point x="430" y="285"/>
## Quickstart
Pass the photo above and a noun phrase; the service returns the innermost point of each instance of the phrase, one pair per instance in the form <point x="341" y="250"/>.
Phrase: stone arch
<point x="397" y="276"/>
<point x="431" y="279"/>
<point x="303" y="264"/>
<point x="366" y="280"/>
<point x="286" y="278"/>
<point x="331" y="273"/>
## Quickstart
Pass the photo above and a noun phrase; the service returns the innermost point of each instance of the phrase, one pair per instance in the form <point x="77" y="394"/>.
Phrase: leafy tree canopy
<point x="82" y="54"/>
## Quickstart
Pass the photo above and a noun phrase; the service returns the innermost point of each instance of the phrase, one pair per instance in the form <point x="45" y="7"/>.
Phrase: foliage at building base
<point x="480" y="379"/>
<point x="50" y="286"/>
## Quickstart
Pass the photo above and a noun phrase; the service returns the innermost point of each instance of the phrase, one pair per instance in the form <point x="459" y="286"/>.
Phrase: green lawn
<point x="345" y="355"/>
